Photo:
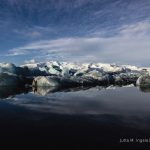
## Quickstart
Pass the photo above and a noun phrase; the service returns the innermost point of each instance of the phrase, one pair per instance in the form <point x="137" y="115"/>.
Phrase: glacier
<point x="69" y="74"/>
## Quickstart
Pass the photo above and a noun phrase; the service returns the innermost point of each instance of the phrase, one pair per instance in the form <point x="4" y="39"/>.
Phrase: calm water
<point x="97" y="115"/>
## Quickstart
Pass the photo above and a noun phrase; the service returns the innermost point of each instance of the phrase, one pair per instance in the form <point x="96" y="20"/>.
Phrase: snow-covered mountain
<point x="58" y="68"/>
<point x="65" y="74"/>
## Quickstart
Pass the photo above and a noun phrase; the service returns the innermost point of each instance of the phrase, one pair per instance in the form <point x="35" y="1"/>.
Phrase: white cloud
<point x="138" y="29"/>
<point x="130" y="46"/>
<point x="32" y="61"/>
<point x="31" y="33"/>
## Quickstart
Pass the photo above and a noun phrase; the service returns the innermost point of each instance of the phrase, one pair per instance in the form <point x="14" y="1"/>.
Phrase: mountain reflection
<point x="43" y="91"/>
<point x="9" y="91"/>
<point x="145" y="89"/>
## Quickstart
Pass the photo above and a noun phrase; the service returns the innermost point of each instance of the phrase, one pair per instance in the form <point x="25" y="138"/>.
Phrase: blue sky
<point x="109" y="31"/>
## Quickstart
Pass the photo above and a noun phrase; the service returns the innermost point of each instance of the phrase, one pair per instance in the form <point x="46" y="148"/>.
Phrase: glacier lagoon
<point x="92" y="115"/>
<point x="77" y="104"/>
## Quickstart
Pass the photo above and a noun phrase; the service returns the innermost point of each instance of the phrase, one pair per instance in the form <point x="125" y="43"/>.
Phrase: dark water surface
<point x="79" y="116"/>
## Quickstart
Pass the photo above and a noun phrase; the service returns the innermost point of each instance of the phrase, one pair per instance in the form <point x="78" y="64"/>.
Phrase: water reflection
<point x="12" y="91"/>
<point x="43" y="91"/>
<point x="101" y="113"/>
<point x="145" y="89"/>
<point x="81" y="100"/>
